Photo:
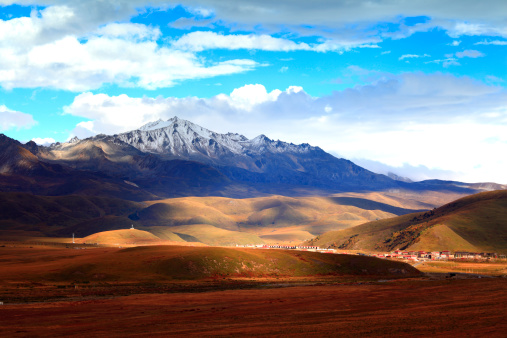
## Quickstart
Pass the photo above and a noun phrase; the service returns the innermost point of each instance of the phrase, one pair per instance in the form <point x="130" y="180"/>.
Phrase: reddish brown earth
<point x="415" y="308"/>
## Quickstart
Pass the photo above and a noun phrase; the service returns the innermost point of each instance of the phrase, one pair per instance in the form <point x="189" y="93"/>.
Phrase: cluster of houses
<point x="289" y="247"/>
<point x="438" y="255"/>
<point x="398" y="254"/>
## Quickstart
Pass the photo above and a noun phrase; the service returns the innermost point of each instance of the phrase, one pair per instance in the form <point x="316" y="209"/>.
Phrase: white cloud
<point x="455" y="43"/>
<point x="130" y="31"/>
<point x="44" y="141"/>
<point x="327" y="18"/>
<point x="200" y="40"/>
<point x="53" y="48"/>
<point x="457" y="17"/>
<point x="413" y="56"/>
<point x="415" y="173"/>
<point x="249" y="96"/>
<point x="476" y="29"/>
<point x="494" y="42"/>
<point x="450" y="61"/>
<point x="469" y="54"/>
<point x="437" y="120"/>
<point x="11" y="119"/>
<point x="284" y="69"/>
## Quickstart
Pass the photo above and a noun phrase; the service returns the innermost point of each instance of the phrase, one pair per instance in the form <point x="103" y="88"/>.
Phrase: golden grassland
<point x="273" y="219"/>
<point x="474" y="223"/>
<point x="226" y="221"/>
<point x="492" y="268"/>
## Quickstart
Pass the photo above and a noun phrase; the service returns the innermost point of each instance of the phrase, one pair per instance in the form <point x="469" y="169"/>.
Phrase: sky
<point x="417" y="88"/>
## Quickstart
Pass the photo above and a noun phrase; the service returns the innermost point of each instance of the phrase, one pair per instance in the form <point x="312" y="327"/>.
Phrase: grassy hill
<point x="209" y="234"/>
<point x="159" y="263"/>
<point x="128" y="236"/>
<point x="473" y="223"/>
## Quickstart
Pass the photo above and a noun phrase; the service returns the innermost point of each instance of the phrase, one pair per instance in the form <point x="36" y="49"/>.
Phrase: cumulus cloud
<point x="437" y="120"/>
<point x="82" y="45"/>
<point x="44" y="141"/>
<point x="11" y="119"/>
<point x="43" y="50"/>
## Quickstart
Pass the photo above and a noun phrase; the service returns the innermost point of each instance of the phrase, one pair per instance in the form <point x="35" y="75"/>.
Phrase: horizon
<point x="416" y="89"/>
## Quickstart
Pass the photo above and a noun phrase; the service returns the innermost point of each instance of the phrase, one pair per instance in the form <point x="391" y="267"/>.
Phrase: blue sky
<point x="417" y="88"/>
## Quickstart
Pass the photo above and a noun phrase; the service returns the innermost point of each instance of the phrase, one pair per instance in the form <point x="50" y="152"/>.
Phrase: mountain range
<point x="171" y="177"/>
<point x="179" y="158"/>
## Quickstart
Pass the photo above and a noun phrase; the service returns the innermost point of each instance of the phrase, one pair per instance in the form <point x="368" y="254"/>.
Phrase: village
<point x="397" y="254"/>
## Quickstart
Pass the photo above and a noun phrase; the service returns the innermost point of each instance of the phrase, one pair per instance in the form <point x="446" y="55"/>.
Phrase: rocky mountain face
<point x="23" y="171"/>
<point x="15" y="159"/>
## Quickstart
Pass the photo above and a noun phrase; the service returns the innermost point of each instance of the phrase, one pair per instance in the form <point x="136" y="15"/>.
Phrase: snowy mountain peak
<point x="73" y="140"/>
<point x="178" y="138"/>
<point x="155" y="125"/>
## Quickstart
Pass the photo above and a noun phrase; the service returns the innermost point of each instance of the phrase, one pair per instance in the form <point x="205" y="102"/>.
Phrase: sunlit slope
<point x="208" y="234"/>
<point x="473" y="223"/>
<point x="128" y="236"/>
<point x="313" y="215"/>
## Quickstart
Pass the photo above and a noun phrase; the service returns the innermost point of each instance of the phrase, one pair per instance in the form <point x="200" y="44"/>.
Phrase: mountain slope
<point x="473" y="223"/>
<point x="22" y="171"/>
<point x="62" y="214"/>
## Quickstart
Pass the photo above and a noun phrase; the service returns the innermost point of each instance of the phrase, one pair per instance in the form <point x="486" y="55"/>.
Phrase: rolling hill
<point x="166" y="263"/>
<point x="473" y="223"/>
<point x="129" y="237"/>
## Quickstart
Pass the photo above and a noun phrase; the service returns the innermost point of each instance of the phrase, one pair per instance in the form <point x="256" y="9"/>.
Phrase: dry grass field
<point x="473" y="308"/>
<point x="493" y="268"/>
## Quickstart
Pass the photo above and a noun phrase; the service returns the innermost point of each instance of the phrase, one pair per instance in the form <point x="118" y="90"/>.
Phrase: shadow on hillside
<point x="372" y="205"/>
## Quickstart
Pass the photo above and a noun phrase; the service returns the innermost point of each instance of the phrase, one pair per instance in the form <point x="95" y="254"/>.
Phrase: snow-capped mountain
<point x="260" y="160"/>
<point x="178" y="138"/>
